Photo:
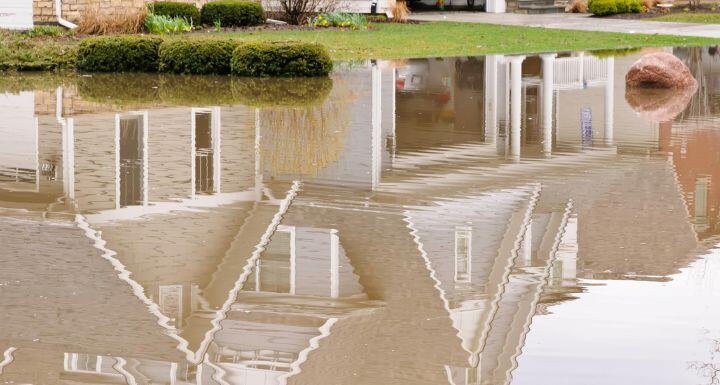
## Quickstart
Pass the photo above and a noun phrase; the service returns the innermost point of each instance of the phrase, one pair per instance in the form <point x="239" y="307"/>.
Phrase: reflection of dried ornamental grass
<point x="400" y="12"/>
<point x="304" y="140"/>
<point x="94" y="21"/>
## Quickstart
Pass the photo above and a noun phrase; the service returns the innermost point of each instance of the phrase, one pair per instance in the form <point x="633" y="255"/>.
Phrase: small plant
<point x="161" y="24"/>
<point x="201" y="56"/>
<point x="218" y="25"/>
<point x="285" y="60"/>
<point x="232" y="13"/>
<point x="341" y="20"/>
<point x="118" y="54"/>
<point x="44" y="30"/>
<point x="187" y="11"/>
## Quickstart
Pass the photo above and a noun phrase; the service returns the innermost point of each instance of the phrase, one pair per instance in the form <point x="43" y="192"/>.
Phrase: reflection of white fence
<point x="579" y="71"/>
<point x="575" y="72"/>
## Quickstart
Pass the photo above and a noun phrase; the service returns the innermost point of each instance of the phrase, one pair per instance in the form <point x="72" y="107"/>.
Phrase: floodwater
<point x="485" y="220"/>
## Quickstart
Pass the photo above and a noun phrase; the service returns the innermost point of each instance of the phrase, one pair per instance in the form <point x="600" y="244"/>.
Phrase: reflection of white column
<point x="515" y="104"/>
<point x="609" y="100"/>
<point x="376" y="119"/>
<point x="117" y="161"/>
<point x="68" y="128"/>
<point x="334" y="264"/>
<point x="568" y="248"/>
<point x="216" y="143"/>
<point x="491" y="97"/>
<point x="258" y="158"/>
<point x="548" y="85"/>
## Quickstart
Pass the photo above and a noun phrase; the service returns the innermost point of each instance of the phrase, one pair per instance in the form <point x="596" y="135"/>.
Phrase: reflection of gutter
<point x="60" y="20"/>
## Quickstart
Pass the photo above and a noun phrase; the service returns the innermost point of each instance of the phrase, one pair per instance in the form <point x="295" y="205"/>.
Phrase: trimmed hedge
<point x="285" y="60"/>
<point x="118" y="54"/>
<point x="613" y="7"/>
<point x="233" y="13"/>
<point x="186" y="11"/>
<point x="200" y="57"/>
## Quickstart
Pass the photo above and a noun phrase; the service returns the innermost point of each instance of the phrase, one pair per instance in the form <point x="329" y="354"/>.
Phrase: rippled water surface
<point x="484" y="220"/>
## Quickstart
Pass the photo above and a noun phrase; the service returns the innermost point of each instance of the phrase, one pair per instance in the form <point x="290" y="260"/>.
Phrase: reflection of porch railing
<point x="575" y="72"/>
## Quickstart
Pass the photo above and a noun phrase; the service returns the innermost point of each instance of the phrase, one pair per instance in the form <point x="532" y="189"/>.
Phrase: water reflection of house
<point x="257" y="275"/>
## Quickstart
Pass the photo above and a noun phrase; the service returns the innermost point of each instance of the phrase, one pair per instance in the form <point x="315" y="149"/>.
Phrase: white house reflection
<point x="463" y="198"/>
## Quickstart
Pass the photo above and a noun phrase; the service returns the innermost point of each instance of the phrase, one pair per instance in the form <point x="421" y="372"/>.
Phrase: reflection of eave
<point x="254" y="248"/>
<point x="197" y="203"/>
<point x="448" y="180"/>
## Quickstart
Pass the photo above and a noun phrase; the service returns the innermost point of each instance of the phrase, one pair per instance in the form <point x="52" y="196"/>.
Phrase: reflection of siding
<point x="95" y="161"/>
<point x="237" y="151"/>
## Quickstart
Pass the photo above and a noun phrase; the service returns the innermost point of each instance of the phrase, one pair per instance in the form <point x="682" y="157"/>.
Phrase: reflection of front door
<point x="16" y="14"/>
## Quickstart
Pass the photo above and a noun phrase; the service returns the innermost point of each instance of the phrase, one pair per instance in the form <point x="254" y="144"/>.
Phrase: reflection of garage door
<point x="16" y="14"/>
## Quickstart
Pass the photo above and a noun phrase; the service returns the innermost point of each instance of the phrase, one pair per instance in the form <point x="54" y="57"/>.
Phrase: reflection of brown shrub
<point x="658" y="104"/>
<point x="96" y="21"/>
<point x="304" y="140"/>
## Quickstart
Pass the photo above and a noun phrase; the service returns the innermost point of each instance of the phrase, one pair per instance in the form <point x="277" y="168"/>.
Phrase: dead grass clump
<point x="400" y="12"/>
<point x="577" y="6"/>
<point x="650" y="4"/>
<point x="95" y="21"/>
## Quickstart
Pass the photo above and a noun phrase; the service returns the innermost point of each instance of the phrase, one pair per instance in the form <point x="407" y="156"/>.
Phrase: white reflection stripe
<point x="8" y="358"/>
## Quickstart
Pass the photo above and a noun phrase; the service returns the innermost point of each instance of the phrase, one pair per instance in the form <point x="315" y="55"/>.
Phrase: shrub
<point x="612" y="7"/>
<point x="94" y="21"/>
<point x="173" y="9"/>
<point x="603" y="7"/>
<point x="268" y="59"/>
<point x="232" y="13"/>
<point x="635" y="6"/>
<point x="118" y="54"/>
<point x="339" y="19"/>
<point x="201" y="57"/>
<point x="161" y="24"/>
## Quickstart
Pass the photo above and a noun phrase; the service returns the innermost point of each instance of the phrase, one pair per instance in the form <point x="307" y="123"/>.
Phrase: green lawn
<point x="699" y="18"/>
<point x="382" y="41"/>
<point x="459" y="39"/>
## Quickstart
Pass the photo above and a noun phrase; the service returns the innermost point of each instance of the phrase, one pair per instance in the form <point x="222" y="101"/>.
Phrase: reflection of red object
<point x="400" y="83"/>
<point x="697" y="164"/>
<point x="443" y="97"/>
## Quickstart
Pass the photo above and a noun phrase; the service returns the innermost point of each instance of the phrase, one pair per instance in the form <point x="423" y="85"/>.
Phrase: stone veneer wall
<point x="44" y="10"/>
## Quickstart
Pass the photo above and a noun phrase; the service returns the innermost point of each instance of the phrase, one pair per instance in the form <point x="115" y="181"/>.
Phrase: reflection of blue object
<point x="586" y="125"/>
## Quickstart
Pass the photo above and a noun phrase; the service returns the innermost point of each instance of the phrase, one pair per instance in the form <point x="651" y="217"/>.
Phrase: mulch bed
<point x="679" y="7"/>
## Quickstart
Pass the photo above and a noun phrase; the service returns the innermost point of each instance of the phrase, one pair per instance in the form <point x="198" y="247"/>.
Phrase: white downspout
<point x="61" y="21"/>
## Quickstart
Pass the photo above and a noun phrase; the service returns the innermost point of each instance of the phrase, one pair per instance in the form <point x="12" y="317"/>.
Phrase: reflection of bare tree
<point x="304" y="140"/>
<point x="709" y="370"/>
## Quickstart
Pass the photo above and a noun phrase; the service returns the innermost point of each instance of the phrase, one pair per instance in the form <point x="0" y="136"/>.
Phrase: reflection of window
<point x="206" y="150"/>
<point x="171" y="303"/>
<point x="463" y="256"/>
<point x="273" y="268"/>
<point x="86" y="363"/>
<point x="204" y="161"/>
<point x="131" y="155"/>
<point x="702" y="190"/>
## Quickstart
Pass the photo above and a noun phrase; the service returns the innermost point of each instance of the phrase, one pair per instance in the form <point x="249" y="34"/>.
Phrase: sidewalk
<point x="575" y="21"/>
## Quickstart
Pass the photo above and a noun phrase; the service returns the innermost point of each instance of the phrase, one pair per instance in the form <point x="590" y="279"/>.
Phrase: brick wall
<point x="44" y="10"/>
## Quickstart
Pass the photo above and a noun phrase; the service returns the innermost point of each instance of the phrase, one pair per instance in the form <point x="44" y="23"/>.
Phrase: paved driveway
<point x="575" y="21"/>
